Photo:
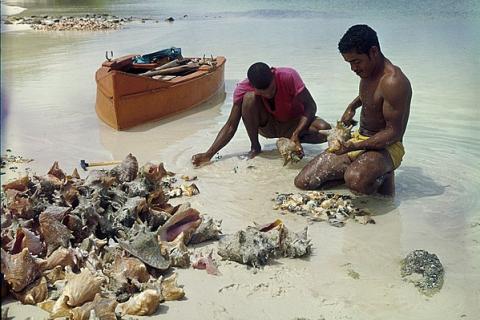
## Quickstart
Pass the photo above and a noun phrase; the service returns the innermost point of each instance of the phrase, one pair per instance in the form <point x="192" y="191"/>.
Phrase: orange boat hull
<point x="125" y="100"/>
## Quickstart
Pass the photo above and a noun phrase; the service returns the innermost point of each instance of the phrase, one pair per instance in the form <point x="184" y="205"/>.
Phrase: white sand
<point x="319" y="286"/>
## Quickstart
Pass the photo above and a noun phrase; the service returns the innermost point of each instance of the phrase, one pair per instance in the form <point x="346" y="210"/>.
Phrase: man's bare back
<point x="366" y="162"/>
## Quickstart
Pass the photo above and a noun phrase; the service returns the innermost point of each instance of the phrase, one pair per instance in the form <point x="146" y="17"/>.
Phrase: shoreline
<point x="9" y="10"/>
<point x="87" y="22"/>
<point x="11" y="20"/>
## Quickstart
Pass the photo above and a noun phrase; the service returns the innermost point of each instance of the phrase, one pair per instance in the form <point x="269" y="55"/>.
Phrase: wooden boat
<point x="128" y="94"/>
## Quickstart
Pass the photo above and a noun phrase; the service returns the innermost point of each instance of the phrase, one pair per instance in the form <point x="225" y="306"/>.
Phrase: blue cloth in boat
<point x="172" y="53"/>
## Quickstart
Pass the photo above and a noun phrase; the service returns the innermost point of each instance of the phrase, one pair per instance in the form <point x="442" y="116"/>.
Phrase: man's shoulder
<point x="285" y="70"/>
<point x="394" y="79"/>
<point x="288" y="75"/>
<point x="395" y="86"/>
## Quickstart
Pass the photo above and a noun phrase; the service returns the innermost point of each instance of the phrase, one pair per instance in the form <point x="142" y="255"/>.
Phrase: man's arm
<point x="224" y="136"/>
<point x="357" y="102"/>
<point x="310" y="109"/>
<point x="396" y="92"/>
<point x="347" y="117"/>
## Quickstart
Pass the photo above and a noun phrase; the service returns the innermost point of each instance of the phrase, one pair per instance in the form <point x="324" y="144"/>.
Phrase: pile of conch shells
<point x="98" y="246"/>
<point x="332" y="207"/>
<point x="337" y="136"/>
<point x="289" y="151"/>
<point x="255" y="246"/>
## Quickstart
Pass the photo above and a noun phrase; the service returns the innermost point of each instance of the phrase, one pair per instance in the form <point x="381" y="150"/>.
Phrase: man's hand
<point x="347" y="117"/>
<point x="200" y="159"/>
<point x="298" y="145"/>
<point x="345" y="147"/>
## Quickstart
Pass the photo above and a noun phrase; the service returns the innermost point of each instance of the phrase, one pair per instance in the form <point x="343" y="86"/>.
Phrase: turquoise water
<point x="266" y="8"/>
<point x="49" y="82"/>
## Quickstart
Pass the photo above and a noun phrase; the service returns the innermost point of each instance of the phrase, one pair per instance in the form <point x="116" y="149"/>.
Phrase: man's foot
<point x="253" y="153"/>
<point x="387" y="188"/>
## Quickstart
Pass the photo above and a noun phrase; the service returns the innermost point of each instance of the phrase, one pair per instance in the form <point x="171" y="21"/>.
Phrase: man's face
<point x="268" y="92"/>
<point x="360" y="63"/>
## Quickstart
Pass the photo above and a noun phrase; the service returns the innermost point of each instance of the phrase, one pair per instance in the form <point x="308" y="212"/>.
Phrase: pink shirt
<point x="289" y="84"/>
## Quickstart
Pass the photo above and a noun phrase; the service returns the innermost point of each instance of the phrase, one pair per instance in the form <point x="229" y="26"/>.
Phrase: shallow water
<point x="49" y="82"/>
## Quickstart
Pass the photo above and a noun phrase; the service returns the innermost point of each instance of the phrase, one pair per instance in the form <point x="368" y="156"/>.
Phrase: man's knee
<point x="250" y="100"/>
<point x="319" y="124"/>
<point x="300" y="182"/>
<point x="324" y="125"/>
<point x="303" y="183"/>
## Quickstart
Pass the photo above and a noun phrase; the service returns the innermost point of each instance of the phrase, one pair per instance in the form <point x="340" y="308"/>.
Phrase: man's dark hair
<point x="359" y="38"/>
<point x="260" y="75"/>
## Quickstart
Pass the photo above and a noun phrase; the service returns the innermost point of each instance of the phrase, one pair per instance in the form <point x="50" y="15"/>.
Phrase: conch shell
<point x="177" y="251"/>
<point x="18" y="205"/>
<point x="103" y="308"/>
<point x="81" y="288"/>
<point x="63" y="257"/>
<point x="127" y="170"/>
<point x="206" y="263"/>
<point x="25" y="238"/>
<point x="170" y="290"/>
<point x="144" y="245"/>
<point x="57" y="308"/>
<point x="209" y="229"/>
<point x="54" y="275"/>
<point x="54" y="232"/>
<point x="56" y="171"/>
<point x="20" y="269"/>
<point x="337" y="136"/>
<point x="189" y="190"/>
<point x="131" y="268"/>
<point x="33" y="294"/>
<point x="289" y="150"/>
<point x="185" y="220"/>
<point x="153" y="173"/>
<point x="143" y="304"/>
<point x="20" y="184"/>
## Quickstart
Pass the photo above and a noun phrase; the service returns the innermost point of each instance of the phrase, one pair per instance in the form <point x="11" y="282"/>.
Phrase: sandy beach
<point x="48" y="83"/>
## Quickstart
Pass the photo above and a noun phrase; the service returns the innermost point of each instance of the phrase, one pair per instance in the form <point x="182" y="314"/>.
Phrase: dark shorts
<point x="277" y="129"/>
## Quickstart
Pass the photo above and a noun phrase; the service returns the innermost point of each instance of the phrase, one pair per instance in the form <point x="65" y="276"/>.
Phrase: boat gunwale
<point x="203" y="73"/>
<point x="201" y="70"/>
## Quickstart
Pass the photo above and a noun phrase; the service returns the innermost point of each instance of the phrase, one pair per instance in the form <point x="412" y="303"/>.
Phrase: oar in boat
<point x="173" y="70"/>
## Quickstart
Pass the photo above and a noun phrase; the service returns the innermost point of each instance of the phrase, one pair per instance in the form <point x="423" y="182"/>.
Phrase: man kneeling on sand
<point x="274" y="103"/>
<point x="367" y="161"/>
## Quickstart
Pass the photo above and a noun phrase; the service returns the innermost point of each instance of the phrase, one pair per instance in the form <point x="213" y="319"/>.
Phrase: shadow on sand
<point x="411" y="183"/>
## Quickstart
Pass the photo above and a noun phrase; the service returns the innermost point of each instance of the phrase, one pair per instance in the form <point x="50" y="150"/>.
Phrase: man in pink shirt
<point x="273" y="102"/>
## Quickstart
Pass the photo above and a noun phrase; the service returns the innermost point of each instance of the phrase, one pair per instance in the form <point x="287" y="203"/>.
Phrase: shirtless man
<point x="274" y="103"/>
<point x="367" y="161"/>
